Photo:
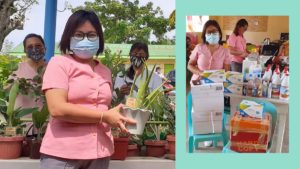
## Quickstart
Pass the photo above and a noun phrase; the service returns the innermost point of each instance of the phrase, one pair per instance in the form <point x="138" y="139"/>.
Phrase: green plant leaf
<point x="24" y="112"/>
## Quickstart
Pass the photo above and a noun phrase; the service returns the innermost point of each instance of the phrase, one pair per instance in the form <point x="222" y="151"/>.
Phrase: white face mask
<point x="212" y="38"/>
<point x="84" y="49"/>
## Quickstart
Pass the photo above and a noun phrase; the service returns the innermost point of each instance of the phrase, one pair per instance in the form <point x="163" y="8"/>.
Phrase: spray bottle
<point x="284" y="89"/>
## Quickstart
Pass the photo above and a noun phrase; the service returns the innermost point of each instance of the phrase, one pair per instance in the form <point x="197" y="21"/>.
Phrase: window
<point x="195" y="23"/>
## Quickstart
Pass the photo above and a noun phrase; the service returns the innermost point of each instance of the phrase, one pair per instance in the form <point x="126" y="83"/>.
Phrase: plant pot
<point x="133" y="150"/>
<point x="35" y="149"/>
<point x="10" y="147"/>
<point x="121" y="147"/>
<point x="26" y="146"/>
<point x="140" y="116"/>
<point x="155" y="148"/>
<point x="171" y="143"/>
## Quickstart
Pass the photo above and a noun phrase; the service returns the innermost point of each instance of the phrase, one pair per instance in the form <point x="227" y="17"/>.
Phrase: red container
<point x="121" y="148"/>
<point x="10" y="147"/>
<point x="133" y="150"/>
<point x="249" y="135"/>
<point x="171" y="143"/>
<point x="155" y="148"/>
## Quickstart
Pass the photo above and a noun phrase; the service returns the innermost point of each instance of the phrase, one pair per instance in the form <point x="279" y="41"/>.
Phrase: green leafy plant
<point x="154" y="101"/>
<point x="116" y="64"/>
<point x="11" y="118"/>
<point x="144" y="98"/>
<point x="39" y="119"/>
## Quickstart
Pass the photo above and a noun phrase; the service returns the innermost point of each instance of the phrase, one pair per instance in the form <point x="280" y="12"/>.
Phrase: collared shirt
<point x="207" y="61"/>
<point x="87" y="88"/>
<point x="239" y="43"/>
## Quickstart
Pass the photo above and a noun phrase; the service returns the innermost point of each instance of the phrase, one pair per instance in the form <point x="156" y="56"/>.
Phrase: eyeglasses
<point x="92" y="36"/>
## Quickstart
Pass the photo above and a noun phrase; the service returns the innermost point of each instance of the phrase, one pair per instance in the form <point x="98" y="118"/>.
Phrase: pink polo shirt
<point x="207" y="61"/>
<point x="86" y="88"/>
<point x="239" y="43"/>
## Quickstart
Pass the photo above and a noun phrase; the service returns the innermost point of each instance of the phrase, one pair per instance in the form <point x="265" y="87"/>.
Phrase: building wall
<point x="275" y="26"/>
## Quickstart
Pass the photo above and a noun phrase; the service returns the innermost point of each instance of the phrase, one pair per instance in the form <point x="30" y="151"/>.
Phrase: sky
<point x="35" y="17"/>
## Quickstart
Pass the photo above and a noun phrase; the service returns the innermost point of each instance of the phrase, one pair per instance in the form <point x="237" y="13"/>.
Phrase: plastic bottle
<point x="270" y="90"/>
<point x="284" y="72"/>
<point x="265" y="89"/>
<point x="276" y="82"/>
<point x="250" y="86"/>
<point x="259" y="88"/>
<point x="284" y="89"/>
<point x="268" y="74"/>
<point x="256" y="87"/>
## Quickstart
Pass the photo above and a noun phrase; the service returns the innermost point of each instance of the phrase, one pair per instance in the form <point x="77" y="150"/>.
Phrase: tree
<point x="172" y="19"/>
<point x="125" y="21"/>
<point x="12" y="15"/>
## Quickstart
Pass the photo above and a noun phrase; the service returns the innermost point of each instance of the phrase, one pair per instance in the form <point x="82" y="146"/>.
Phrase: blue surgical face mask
<point x="212" y="38"/>
<point x="84" y="49"/>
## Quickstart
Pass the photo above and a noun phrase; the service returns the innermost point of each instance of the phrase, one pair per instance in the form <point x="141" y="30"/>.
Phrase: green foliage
<point x="116" y="64"/>
<point x="8" y="64"/>
<point x="11" y="117"/>
<point x="172" y="19"/>
<point x="39" y="119"/>
<point x="31" y="87"/>
<point x="125" y="21"/>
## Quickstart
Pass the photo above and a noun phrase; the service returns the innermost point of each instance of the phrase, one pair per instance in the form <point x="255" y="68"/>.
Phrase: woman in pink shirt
<point x="78" y="90"/>
<point x="237" y="45"/>
<point x="34" y="47"/>
<point x="210" y="55"/>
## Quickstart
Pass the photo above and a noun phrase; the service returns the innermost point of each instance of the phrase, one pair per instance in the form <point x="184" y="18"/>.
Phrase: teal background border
<point x="289" y="8"/>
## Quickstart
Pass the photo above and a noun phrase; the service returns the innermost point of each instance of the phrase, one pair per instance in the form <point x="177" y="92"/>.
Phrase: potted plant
<point x="139" y="108"/>
<point x="33" y="88"/>
<point x="11" y="137"/>
<point x="39" y="119"/>
<point x="135" y="144"/>
<point x="157" y="125"/>
<point x="170" y="114"/>
<point x="120" y="144"/>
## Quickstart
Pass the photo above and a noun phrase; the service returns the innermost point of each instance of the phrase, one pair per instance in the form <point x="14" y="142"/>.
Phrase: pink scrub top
<point x="86" y="88"/>
<point x="239" y="43"/>
<point x="206" y="61"/>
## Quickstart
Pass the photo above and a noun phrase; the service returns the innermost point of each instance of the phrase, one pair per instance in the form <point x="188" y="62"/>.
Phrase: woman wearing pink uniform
<point x="237" y="45"/>
<point x="210" y="55"/>
<point x="78" y="90"/>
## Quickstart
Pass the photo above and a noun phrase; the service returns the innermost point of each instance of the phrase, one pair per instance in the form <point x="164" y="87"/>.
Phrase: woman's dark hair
<point x="239" y="24"/>
<point x="77" y="19"/>
<point x="206" y="25"/>
<point x="33" y="35"/>
<point x="138" y="46"/>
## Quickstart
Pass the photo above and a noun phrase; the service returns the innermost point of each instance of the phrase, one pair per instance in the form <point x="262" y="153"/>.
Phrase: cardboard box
<point x="251" y="109"/>
<point x="249" y="135"/>
<point x="233" y="88"/>
<point x="205" y="123"/>
<point x="208" y="97"/>
<point x="213" y="76"/>
<point x="234" y="77"/>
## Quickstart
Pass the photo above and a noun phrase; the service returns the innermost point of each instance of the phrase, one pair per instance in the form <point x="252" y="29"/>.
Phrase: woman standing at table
<point x="210" y="55"/>
<point x="78" y="90"/>
<point x="237" y="45"/>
